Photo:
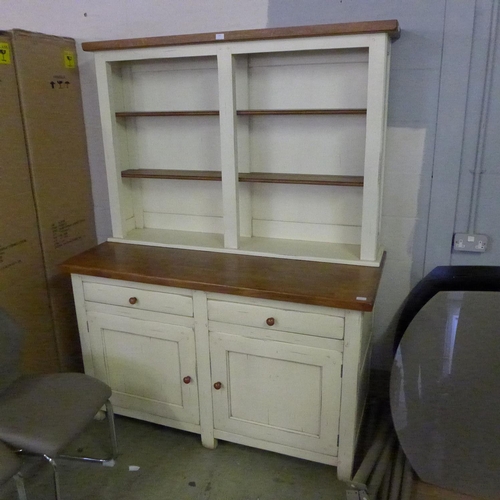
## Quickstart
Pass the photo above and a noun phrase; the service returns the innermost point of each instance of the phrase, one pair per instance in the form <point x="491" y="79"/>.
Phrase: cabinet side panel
<point x="356" y="339"/>
<point x="109" y="90"/>
<point x="374" y="150"/>
<point x="83" y="328"/>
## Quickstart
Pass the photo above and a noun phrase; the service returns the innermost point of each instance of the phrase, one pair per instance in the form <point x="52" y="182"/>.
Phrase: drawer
<point x="136" y="298"/>
<point x="272" y="318"/>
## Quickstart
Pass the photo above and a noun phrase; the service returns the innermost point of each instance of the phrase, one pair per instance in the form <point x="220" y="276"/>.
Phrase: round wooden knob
<point x="133" y="300"/>
<point x="217" y="385"/>
<point x="270" y="321"/>
<point x="187" y="379"/>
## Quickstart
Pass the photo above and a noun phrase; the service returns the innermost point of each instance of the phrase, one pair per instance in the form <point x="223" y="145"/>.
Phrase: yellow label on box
<point x="69" y="59"/>
<point x="4" y="53"/>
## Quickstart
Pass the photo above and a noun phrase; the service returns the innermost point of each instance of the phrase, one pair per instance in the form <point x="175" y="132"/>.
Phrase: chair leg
<point x="21" y="491"/>
<point x="56" y="476"/>
<point x="114" y="443"/>
<point x="112" y="430"/>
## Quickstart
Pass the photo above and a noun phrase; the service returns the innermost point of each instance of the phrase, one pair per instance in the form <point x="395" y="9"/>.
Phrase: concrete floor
<point x="174" y="465"/>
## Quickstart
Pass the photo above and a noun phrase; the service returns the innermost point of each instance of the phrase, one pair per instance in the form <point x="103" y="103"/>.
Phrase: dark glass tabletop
<point x="445" y="392"/>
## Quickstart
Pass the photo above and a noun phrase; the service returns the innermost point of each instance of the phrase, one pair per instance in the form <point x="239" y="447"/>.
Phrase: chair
<point x="9" y="467"/>
<point x="41" y="414"/>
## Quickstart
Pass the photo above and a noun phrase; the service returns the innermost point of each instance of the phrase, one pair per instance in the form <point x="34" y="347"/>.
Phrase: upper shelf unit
<point x="288" y="122"/>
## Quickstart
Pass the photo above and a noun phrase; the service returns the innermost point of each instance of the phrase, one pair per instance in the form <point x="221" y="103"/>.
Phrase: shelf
<point x="132" y="114"/>
<point x="261" y="177"/>
<point x="264" y="112"/>
<point x="317" y="180"/>
<point x="335" y="253"/>
<point x="244" y="112"/>
<point x="191" y="175"/>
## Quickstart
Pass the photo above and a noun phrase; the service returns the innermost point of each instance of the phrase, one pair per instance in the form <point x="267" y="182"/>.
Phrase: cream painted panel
<point x="280" y="393"/>
<point x="174" y="222"/>
<point x="313" y="204"/>
<point x="182" y="197"/>
<point x="307" y="232"/>
<point x="308" y="144"/>
<point x="177" y="142"/>
<point x="175" y="85"/>
<point x="327" y="79"/>
<point x="144" y="363"/>
<point x="282" y="406"/>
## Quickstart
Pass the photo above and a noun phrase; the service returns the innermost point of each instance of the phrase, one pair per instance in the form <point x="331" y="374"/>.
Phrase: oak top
<point x="391" y="27"/>
<point x="316" y="283"/>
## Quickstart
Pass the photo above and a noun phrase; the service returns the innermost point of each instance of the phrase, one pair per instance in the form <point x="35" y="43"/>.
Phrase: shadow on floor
<point x="173" y="465"/>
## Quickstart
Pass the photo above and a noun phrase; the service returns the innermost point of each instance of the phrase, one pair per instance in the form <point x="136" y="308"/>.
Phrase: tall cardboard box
<point x="23" y="290"/>
<point x="52" y="112"/>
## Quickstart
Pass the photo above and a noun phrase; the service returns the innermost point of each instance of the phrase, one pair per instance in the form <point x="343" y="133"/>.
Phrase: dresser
<point x="245" y="174"/>
<point x="265" y="352"/>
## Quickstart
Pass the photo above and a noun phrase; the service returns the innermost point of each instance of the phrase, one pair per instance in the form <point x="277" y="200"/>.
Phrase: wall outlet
<point x="466" y="242"/>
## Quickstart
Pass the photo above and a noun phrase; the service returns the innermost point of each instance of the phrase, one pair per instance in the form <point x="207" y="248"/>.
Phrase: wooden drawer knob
<point x="187" y="379"/>
<point x="270" y="321"/>
<point x="133" y="300"/>
<point x="217" y="385"/>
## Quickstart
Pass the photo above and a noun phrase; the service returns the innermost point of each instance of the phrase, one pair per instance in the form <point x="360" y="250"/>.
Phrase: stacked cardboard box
<point x="23" y="290"/>
<point x="49" y="93"/>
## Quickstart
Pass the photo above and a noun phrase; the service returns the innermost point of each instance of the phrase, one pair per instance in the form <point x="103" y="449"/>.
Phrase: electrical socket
<point x="467" y="242"/>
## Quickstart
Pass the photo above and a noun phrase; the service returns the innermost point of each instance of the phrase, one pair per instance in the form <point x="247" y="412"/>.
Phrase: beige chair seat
<point x="43" y="414"/>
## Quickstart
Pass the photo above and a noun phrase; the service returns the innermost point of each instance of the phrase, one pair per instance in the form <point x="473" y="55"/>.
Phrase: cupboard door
<point x="277" y="392"/>
<point x="150" y="366"/>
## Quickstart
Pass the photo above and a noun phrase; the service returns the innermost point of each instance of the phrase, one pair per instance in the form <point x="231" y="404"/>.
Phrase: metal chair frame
<point x="52" y="460"/>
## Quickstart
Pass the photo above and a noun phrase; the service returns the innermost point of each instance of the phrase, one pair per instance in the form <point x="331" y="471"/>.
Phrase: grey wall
<point x="436" y="97"/>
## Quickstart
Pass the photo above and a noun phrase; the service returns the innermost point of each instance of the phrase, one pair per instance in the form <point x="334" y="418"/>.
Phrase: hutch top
<point x="264" y="142"/>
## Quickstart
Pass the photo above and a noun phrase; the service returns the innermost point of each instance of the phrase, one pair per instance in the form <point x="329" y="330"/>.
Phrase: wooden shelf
<point x="192" y="175"/>
<point x="257" y="112"/>
<point x="132" y="114"/>
<point x="244" y="112"/>
<point x="261" y="177"/>
<point x="318" y="180"/>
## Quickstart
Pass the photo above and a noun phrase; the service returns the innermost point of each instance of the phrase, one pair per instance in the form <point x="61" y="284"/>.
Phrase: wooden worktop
<point x="391" y="27"/>
<point x="317" y="283"/>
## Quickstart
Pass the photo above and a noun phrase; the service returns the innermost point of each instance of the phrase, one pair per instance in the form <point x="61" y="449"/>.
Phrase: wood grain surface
<point x="262" y="177"/>
<point x="316" y="283"/>
<point x="391" y="27"/>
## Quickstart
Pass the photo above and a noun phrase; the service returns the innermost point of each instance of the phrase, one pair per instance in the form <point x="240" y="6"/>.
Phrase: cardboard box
<point x="23" y="290"/>
<point x="50" y="96"/>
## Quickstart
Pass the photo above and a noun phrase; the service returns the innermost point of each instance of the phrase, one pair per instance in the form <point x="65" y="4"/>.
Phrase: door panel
<point x="283" y="393"/>
<point x="144" y="363"/>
